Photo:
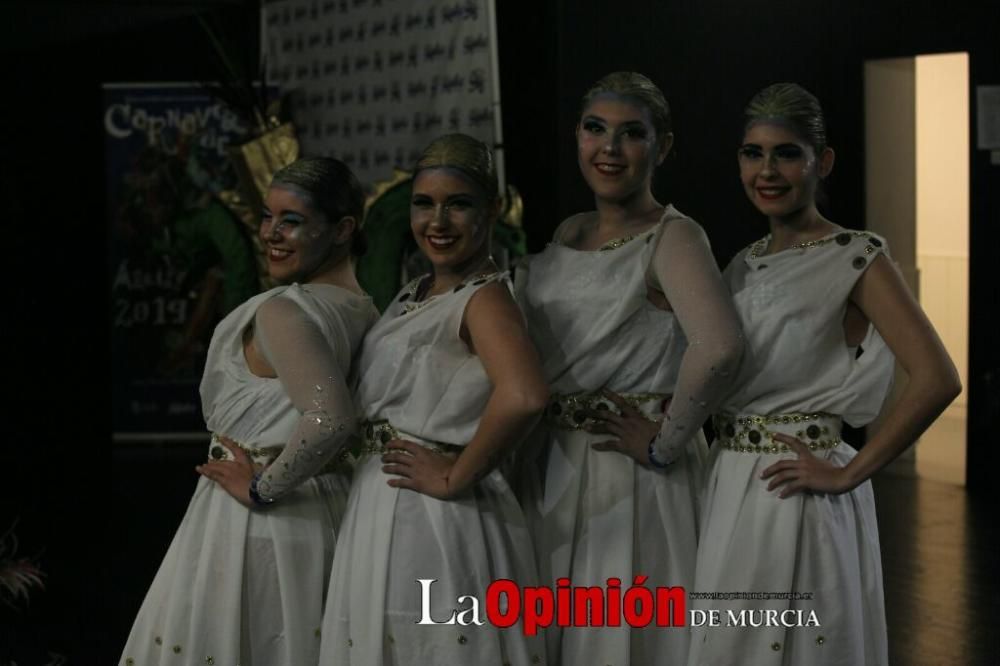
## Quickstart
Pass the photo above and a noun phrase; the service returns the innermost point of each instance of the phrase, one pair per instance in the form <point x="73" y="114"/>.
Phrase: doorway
<point x="917" y="145"/>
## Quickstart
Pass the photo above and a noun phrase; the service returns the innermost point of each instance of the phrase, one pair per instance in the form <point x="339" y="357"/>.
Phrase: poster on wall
<point x="374" y="81"/>
<point x="179" y="260"/>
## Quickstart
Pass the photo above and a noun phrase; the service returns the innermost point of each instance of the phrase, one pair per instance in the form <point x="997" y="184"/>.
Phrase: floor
<point x="937" y="457"/>
<point x="939" y="553"/>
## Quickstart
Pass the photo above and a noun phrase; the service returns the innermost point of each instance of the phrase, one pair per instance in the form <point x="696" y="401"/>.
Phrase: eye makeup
<point x="785" y="152"/>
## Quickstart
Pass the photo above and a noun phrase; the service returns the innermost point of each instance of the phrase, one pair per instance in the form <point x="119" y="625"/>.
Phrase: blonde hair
<point x="460" y="151"/>
<point x="333" y="190"/>
<point x="639" y="88"/>
<point x="792" y="105"/>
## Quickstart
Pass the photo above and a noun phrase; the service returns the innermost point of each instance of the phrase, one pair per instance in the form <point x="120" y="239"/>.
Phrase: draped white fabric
<point x="598" y="515"/>
<point x="792" y="304"/>
<point x="417" y="373"/>
<point x="247" y="586"/>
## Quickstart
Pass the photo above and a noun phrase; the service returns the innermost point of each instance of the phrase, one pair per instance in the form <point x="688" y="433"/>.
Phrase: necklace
<point x="417" y="294"/>
<point x="618" y="241"/>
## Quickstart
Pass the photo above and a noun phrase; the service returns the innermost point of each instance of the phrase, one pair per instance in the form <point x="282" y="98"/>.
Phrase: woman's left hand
<point x="232" y="475"/>
<point x="633" y="430"/>
<point x="805" y="473"/>
<point x="419" y="468"/>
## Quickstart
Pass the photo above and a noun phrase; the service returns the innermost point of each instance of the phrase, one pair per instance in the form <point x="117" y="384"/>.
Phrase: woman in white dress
<point x="628" y="309"/>
<point x="448" y="382"/>
<point x="243" y="581"/>
<point x="789" y="506"/>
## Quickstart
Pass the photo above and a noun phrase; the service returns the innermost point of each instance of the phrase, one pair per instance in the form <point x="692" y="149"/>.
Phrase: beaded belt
<point x="752" y="433"/>
<point x="569" y="411"/>
<point x="376" y="434"/>
<point x="265" y="455"/>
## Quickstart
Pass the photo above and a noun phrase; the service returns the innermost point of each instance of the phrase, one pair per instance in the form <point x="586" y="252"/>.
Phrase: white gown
<point x="419" y="381"/>
<point x="824" y="546"/>
<point x="599" y="515"/>
<point x="242" y="586"/>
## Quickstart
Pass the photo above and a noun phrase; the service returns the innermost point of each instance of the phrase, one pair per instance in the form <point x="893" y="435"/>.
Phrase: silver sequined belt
<point x="569" y="411"/>
<point x="265" y="455"/>
<point x="375" y="435"/>
<point x="753" y="433"/>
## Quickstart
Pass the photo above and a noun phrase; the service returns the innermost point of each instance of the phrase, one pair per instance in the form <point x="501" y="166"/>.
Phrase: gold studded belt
<point x="265" y="455"/>
<point x="376" y="434"/>
<point x="753" y="433"/>
<point x="569" y="411"/>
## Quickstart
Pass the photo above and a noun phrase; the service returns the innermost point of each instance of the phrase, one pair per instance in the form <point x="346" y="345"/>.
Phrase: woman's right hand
<point x="420" y="468"/>
<point x="633" y="430"/>
<point x="233" y="476"/>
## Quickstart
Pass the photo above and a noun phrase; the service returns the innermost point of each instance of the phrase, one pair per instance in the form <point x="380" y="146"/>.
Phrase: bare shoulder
<point x="880" y="285"/>
<point x="885" y="299"/>
<point x="493" y="326"/>
<point x="490" y="303"/>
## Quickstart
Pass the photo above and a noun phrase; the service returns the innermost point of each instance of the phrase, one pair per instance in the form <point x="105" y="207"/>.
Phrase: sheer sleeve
<point x="567" y="229"/>
<point x="308" y="370"/>
<point x="686" y="271"/>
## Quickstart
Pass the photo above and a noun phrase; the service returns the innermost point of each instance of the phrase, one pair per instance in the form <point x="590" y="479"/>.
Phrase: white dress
<point x="799" y="378"/>
<point x="242" y="586"/>
<point x="419" y="381"/>
<point x="599" y="515"/>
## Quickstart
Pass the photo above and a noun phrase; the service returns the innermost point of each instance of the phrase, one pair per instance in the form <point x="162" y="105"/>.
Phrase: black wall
<point x="59" y="475"/>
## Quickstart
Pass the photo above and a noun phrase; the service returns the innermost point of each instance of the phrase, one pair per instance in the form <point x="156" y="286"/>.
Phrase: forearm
<point x="926" y="395"/>
<point x="317" y="439"/>
<point x="509" y="416"/>
<point x="313" y="380"/>
<point x="705" y="378"/>
<point x="686" y="270"/>
<point x="885" y="299"/>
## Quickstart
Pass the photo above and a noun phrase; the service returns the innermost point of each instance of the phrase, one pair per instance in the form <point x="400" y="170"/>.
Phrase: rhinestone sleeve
<point x="690" y="279"/>
<point x="308" y="371"/>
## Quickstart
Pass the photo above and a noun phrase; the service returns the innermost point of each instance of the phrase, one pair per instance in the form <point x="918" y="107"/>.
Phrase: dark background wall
<point x="709" y="58"/>
<point x="98" y="519"/>
<point x="92" y="519"/>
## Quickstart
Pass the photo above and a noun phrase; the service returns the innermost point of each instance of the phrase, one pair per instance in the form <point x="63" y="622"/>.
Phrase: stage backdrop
<point x="375" y="80"/>
<point x="179" y="260"/>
